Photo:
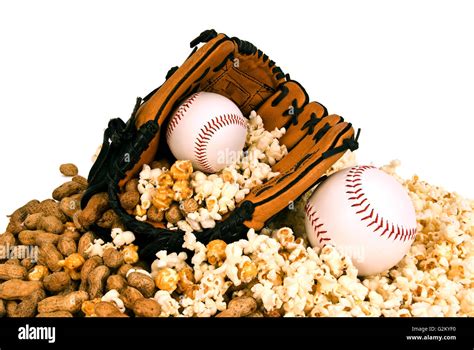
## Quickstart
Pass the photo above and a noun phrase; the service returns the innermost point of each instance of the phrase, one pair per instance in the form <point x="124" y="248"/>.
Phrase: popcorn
<point x="142" y="271"/>
<point x="215" y="194"/>
<point x="216" y="252"/>
<point x="121" y="238"/>
<point x="169" y="306"/>
<point x="98" y="247"/>
<point x="113" y="296"/>
<point x="270" y="151"/>
<point x="182" y="190"/>
<point x="173" y="260"/>
<point x="166" y="279"/>
<point x="247" y="271"/>
<point x="163" y="197"/>
<point x="286" y="276"/>
<point x="181" y="170"/>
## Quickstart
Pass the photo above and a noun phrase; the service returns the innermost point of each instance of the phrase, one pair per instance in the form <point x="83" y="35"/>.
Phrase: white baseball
<point x="365" y="213"/>
<point x="209" y="130"/>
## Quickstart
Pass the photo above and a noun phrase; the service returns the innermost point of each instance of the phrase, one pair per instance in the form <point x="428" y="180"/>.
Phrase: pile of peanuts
<point x="53" y="265"/>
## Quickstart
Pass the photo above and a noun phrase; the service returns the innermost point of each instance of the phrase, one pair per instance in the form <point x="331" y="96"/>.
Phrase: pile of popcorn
<point x="192" y="200"/>
<point x="287" y="277"/>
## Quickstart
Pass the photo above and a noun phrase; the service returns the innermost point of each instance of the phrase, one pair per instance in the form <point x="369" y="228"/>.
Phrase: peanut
<point x="67" y="189"/>
<point x="239" y="307"/>
<point x="56" y="282"/>
<point x="81" y="180"/>
<point x="7" y="239"/>
<point x="146" y="308"/>
<point x="18" y="216"/>
<point x="96" y="281"/>
<point x="17" y="289"/>
<point x="256" y="314"/>
<point x="50" y="224"/>
<point x="70" y="205"/>
<point x="50" y="256"/>
<point x="190" y="205"/>
<point x="3" y="310"/>
<point x="71" y="302"/>
<point x="161" y="163"/>
<point x="50" y="207"/>
<point x="106" y="309"/>
<point x="155" y="215"/>
<point x="112" y="258"/>
<point x="10" y="271"/>
<point x="28" y="237"/>
<point x="66" y="245"/>
<point x="123" y="270"/>
<point x="116" y="282"/>
<point x="130" y="199"/>
<point x="108" y="220"/>
<point x="46" y="237"/>
<point x="68" y="169"/>
<point x="173" y="214"/>
<point x="132" y="185"/>
<point x="75" y="220"/>
<point x="87" y="268"/>
<point x="55" y="314"/>
<point x="129" y="296"/>
<point x="32" y="220"/>
<point x="71" y="232"/>
<point x="10" y="307"/>
<point x="97" y="205"/>
<point x="143" y="283"/>
<point x="27" y="307"/>
<point x="27" y="263"/>
<point x="84" y="242"/>
<point x="14" y="261"/>
<point x="71" y="287"/>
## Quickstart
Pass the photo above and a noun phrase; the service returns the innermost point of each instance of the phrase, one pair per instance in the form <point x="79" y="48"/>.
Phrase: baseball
<point x="365" y="213"/>
<point x="209" y="130"/>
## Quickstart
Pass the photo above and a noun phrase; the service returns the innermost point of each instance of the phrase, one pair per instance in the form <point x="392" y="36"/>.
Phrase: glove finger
<point x="278" y="110"/>
<point x="300" y="173"/>
<point x="305" y="144"/>
<point x="308" y="121"/>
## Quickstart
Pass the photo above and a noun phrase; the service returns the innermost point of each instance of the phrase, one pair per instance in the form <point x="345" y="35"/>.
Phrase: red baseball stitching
<point x="359" y="201"/>
<point x="206" y="133"/>
<point x="180" y="113"/>
<point x="313" y="219"/>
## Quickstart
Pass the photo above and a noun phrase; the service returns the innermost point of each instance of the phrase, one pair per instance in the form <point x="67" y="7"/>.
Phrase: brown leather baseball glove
<point x="315" y="140"/>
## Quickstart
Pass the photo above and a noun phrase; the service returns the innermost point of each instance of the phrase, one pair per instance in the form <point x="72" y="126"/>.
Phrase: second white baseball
<point x="366" y="214"/>
<point x="209" y="130"/>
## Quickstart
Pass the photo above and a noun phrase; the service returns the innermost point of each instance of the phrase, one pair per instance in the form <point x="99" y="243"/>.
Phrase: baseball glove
<point x="238" y="70"/>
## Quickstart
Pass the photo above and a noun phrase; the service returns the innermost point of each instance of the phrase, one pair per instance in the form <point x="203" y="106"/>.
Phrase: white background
<point x="402" y="71"/>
